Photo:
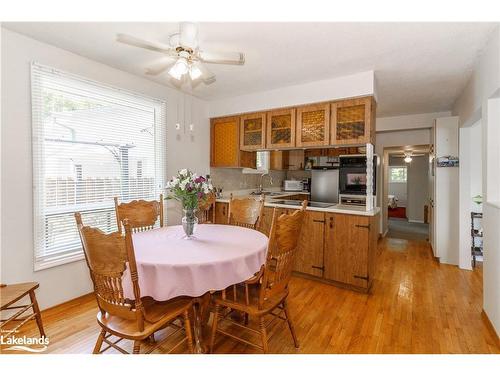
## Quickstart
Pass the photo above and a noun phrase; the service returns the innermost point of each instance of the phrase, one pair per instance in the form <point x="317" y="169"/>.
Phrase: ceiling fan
<point x="184" y="56"/>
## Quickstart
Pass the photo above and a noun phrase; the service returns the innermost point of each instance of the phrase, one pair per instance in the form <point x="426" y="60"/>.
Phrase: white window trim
<point x="37" y="148"/>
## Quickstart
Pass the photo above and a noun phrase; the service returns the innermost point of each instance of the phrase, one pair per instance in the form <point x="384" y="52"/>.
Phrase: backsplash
<point x="233" y="179"/>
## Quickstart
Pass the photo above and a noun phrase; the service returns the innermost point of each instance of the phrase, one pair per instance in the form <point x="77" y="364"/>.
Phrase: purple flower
<point x="200" y="194"/>
<point x="199" y="179"/>
<point x="189" y="187"/>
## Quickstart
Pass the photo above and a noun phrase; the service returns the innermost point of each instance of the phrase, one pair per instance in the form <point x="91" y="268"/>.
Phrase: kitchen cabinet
<point x="350" y="249"/>
<point x="281" y="129"/>
<point x="296" y="160"/>
<point x="353" y="121"/>
<point x="309" y="255"/>
<point x="225" y="146"/>
<point x="253" y="131"/>
<point x="221" y="210"/>
<point x="313" y="125"/>
<point x="278" y="160"/>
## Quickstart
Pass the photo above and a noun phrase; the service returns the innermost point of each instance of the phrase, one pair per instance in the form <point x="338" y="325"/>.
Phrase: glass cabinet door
<point x="352" y="122"/>
<point x="253" y="131"/>
<point x="313" y="125"/>
<point x="281" y="129"/>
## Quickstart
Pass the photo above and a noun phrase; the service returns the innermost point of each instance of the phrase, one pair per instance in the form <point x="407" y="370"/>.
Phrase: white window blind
<point x="91" y="142"/>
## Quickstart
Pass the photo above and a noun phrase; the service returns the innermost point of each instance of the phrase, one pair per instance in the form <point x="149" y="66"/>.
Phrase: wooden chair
<point x="12" y="293"/>
<point x="142" y="215"/>
<point x="245" y="212"/>
<point x="204" y="214"/>
<point x="266" y="292"/>
<point x="107" y="256"/>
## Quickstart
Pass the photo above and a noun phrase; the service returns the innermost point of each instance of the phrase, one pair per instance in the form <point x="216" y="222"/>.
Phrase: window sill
<point x="46" y="264"/>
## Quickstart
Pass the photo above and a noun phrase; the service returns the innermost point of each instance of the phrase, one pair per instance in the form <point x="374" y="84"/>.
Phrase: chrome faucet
<point x="261" y="189"/>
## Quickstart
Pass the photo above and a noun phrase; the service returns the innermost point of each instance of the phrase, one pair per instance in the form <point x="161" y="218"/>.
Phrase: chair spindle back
<point x="283" y="241"/>
<point x="142" y="215"/>
<point x="245" y="212"/>
<point x="107" y="257"/>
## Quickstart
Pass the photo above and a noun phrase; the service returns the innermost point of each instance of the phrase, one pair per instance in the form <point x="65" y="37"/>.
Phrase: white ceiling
<point x="419" y="67"/>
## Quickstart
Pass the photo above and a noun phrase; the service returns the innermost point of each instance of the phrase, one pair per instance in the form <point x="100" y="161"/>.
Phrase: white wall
<point x="418" y="192"/>
<point x="361" y="84"/>
<point x="446" y="211"/>
<point x="477" y="102"/>
<point x="408" y="122"/>
<point x="68" y="281"/>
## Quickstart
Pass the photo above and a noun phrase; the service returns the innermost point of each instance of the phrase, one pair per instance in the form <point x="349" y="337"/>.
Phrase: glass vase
<point x="189" y="222"/>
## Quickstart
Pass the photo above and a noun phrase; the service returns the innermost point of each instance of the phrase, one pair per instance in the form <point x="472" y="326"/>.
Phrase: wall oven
<point x="352" y="175"/>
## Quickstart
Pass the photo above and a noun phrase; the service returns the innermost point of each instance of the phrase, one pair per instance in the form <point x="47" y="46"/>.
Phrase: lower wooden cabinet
<point x="221" y="210"/>
<point x="346" y="250"/>
<point x="309" y="255"/>
<point x="333" y="247"/>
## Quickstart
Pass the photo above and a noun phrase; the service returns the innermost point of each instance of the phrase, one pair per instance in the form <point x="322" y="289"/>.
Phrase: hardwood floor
<point x="416" y="306"/>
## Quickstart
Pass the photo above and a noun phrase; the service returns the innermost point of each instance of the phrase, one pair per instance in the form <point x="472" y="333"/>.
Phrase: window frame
<point x="40" y="211"/>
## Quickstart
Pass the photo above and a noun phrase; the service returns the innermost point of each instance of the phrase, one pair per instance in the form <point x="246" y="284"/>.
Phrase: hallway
<point x="403" y="229"/>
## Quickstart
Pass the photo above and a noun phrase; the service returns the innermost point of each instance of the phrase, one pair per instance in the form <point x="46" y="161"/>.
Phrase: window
<point x="397" y="174"/>
<point x="90" y="143"/>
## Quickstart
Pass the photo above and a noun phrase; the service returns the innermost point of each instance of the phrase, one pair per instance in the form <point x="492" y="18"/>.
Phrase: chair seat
<point x="157" y="316"/>
<point x="252" y="307"/>
<point x="13" y="292"/>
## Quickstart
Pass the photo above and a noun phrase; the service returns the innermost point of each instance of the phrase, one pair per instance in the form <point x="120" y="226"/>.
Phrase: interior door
<point x="431" y="190"/>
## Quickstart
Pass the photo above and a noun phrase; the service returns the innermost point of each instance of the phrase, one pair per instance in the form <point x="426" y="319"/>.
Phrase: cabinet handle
<point x="322" y="268"/>
<point x="318" y="221"/>
<point x="331" y="222"/>
<point x="363" y="226"/>
<point x="367" y="278"/>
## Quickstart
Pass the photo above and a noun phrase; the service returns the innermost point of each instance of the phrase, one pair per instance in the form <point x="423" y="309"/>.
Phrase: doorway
<point x="406" y="192"/>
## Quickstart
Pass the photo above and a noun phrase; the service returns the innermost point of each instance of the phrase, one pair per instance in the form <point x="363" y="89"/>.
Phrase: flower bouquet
<point x="191" y="190"/>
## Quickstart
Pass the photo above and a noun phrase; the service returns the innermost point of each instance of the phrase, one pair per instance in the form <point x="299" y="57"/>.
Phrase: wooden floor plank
<point x="416" y="306"/>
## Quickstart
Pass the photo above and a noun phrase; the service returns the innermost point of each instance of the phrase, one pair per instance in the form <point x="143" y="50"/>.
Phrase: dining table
<point x="170" y="264"/>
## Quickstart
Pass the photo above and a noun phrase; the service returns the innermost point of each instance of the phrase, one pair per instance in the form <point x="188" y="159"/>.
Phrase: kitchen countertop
<point x="270" y="202"/>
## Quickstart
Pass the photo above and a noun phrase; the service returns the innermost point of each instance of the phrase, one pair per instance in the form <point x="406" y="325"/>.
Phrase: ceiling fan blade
<point x="152" y="46"/>
<point x="188" y="35"/>
<point x="232" y="58"/>
<point x="159" y="68"/>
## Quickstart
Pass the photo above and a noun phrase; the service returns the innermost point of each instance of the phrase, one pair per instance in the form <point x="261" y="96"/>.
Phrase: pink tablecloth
<point x="218" y="256"/>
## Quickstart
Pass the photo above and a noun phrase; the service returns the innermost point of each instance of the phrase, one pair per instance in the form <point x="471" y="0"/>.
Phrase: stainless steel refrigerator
<point x="325" y="185"/>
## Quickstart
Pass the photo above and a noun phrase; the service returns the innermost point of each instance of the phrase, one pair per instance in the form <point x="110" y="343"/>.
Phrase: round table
<point x="169" y="265"/>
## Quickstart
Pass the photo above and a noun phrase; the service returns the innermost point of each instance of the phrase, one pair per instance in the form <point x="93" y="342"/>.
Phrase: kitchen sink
<point x="270" y="193"/>
<point x="299" y="203"/>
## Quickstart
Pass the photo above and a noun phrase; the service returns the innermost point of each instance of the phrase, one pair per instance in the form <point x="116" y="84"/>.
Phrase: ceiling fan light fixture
<point x="195" y="72"/>
<point x="180" y="68"/>
<point x="408" y="159"/>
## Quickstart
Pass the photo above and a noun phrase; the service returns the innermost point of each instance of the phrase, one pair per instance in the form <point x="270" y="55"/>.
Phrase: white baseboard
<point x="416" y="221"/>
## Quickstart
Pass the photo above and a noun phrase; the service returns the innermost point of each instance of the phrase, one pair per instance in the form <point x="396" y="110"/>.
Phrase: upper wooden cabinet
<point x="352" y="121"/>
<point x="278" y="160"/>
<point x="253" y="131"/>
<point x="281" y="129"/>
<point x="225" y="146"/>
<point x="313" y="125"/>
